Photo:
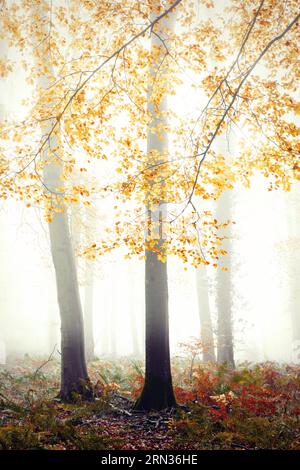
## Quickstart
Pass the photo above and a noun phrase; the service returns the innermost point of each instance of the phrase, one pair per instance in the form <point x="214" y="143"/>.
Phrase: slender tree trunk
<point x="158" y="389"/>
<point x="206" y="328"/>
<point x="74" y="376"/>
<point x="225" y="351"/>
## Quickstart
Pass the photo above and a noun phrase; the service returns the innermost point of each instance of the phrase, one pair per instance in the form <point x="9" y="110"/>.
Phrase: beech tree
<point x="158" y="390"/>
<point x="74" y="376"/>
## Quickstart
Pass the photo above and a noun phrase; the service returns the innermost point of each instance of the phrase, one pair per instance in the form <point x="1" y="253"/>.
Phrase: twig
<point x="44" y="363"/>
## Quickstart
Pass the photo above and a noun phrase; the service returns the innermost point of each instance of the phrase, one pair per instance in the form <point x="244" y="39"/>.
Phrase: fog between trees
<point x="249" y="312"/>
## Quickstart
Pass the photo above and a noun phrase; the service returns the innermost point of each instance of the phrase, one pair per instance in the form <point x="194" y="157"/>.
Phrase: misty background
<point x="263" y="246"/>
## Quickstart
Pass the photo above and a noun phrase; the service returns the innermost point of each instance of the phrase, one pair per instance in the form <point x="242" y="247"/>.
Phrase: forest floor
<point x="250" y="407"/>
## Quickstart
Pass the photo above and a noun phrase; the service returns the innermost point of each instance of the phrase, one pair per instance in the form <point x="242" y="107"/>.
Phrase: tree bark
<point x="157" y="393"/>
<point x="206" y="328"/>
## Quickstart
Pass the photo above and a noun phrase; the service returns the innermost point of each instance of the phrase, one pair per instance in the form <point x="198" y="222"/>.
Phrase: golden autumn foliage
<point x="240" y="65"/>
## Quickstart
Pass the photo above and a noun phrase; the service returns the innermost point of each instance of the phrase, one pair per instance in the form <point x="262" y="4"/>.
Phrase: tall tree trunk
<point x="158" y="391"/>
<point x="225" y="351"/>
<point x="206" y="328"/>
<point x="74" y="376"/>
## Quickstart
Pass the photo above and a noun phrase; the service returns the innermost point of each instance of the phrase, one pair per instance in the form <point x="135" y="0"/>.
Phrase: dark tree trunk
<point x="158" y="392"/>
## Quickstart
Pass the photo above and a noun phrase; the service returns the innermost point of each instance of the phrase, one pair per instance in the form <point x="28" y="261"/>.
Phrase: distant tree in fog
<point x="224" y="290"/>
